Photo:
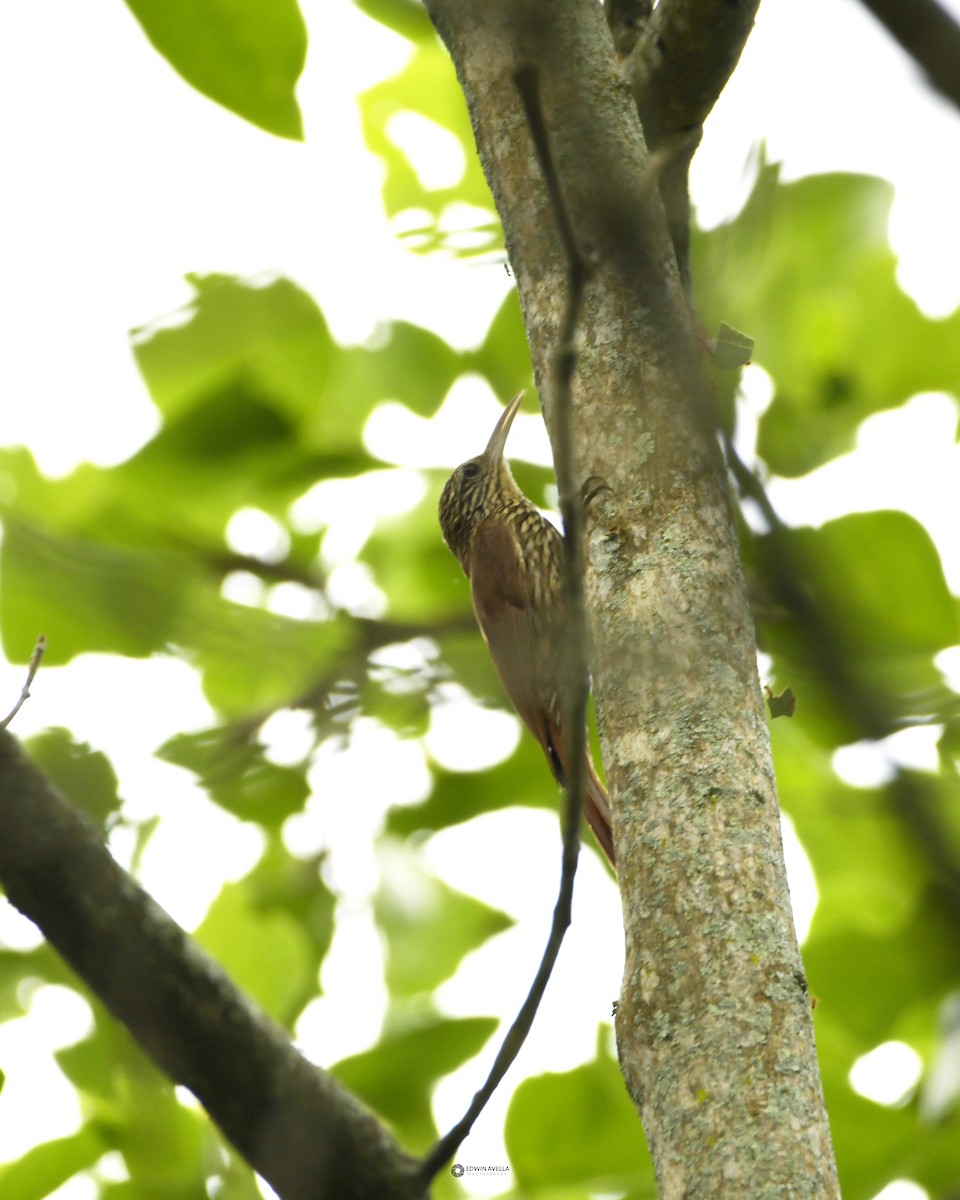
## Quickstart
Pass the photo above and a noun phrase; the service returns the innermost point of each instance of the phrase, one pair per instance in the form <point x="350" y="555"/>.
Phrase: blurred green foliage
<point x="257" y="403"/>
<point x="245" y="54"/>
<point x="812" y="259"/>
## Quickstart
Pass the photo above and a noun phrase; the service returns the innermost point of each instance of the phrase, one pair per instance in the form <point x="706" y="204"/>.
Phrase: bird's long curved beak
<point x="498" y="439"/>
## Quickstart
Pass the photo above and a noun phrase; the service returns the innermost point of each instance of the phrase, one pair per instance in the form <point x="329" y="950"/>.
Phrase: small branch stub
<point x="32" y="667"/>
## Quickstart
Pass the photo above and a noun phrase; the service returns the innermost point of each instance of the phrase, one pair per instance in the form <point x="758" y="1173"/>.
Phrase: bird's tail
<point x="596" y="809"/>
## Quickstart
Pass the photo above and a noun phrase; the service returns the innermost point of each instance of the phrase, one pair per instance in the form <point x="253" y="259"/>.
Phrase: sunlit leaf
<point x="504" y="356"/>
<point x="403" y="362"/>
<point x="166" y="1147"/>
<point x="875" y="608"/>
<point x="579" y="1127"/>
<point x="408" y="17"/>
<point x="806" y="268"/>
<point x="46" y="1167"/>
<point x="429" y="927"/>
<point x="424" y="87"/>
<point x="880" y="1143"/>
<point x="262" y="949"/>
<point x="85" y="595"/>
<point x="85" y="776"/>
<point x="457" y="796"/>
<point x="268" y="331"/>
<point x="396" y="1077"/>
<point x="245" y="54"/>
<point x="254" y="660"/>
<point x="237" y="776"/>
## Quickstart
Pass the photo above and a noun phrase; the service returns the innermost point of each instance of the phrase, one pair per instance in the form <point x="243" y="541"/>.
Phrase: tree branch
<point x="680" y="64"/>
<point x="302" y="1131"/>
<point x="929" y="34"/>
<point x="683" y="59"/>
<point x="33" y="666"/>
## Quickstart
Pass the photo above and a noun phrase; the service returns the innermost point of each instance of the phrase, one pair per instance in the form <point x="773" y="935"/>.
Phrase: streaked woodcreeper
<point x="512" y="556"/>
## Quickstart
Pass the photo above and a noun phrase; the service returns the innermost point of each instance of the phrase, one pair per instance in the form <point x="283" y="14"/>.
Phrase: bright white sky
<point x="119" y="179"/>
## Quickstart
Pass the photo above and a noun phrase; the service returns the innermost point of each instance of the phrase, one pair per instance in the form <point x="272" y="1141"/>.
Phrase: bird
<point x="512" y="556"/>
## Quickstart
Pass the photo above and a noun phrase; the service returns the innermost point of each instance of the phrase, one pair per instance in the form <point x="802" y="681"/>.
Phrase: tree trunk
<point x="714" y="1025"/>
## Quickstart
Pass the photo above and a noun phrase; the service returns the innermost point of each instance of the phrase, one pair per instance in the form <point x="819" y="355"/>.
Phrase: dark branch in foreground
<point x="929" y="34"/>
<point x="563" y="367"/>
<point x="911" y="794"/>
<point x="302" y="1131"/>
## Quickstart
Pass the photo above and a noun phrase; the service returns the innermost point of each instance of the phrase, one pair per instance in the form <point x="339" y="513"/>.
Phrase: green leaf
<point x="874" y="893"/>
<point x="880" y="956"/>
<point x="166" y="1147"/>
<point x="406" y="17"/>
<point x="396" y="1076"/>
<point x="877" y="1144"/>
<point x="458" y="796"/>
<point x="237" y="776"/>
<point x="22" y="971"/>
<point x="245" y="54"/>
<point x="46" y="1167"/>
<point x="257" y="661"/>
<point x="261" y="948"/>
<point x="806" y="267"/>
<point x="732" y="349"/>
<point x="418" y="581"/>
<point x="908" y="965"/>
<point x="85" y="776"/>
<point x="295" y="888"/>
<point x="504" y="356"/>
<point x="578" y="1127"/>
<point x="85" y="596"/>
<point x="880" y="576"/>
<point x="271" y="333"/>
<point x="427" y="86"/>
<point x="402" y="362"/>
<point x="429" y="927"/>
<point x="881" y="609"/>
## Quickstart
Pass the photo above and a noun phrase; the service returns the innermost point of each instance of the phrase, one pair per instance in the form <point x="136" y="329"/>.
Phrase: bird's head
<point x="479" y="487"/>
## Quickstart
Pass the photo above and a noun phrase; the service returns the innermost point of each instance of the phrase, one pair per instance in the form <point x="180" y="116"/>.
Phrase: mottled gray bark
<point x="714" y="1025"/>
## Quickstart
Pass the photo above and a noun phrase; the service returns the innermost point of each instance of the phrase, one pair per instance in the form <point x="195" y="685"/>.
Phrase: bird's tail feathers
<point x="596" y="809"/>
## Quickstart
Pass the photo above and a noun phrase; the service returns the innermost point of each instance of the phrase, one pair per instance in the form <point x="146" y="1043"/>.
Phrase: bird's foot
<point x="592" y="488"/>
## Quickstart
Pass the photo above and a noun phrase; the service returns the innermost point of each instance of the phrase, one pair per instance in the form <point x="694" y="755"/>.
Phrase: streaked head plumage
<point x="478" y="486"/>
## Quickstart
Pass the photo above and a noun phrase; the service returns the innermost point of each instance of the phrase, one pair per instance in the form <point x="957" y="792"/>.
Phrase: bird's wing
<point x="521" y="641"/>
<point x="507" y="617"/>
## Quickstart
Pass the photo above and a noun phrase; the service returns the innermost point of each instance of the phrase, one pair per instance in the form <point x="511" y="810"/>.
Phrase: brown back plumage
<point x="512" y="556"/>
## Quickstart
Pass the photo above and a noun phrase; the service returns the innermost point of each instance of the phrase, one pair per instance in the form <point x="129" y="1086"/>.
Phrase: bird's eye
<point x="470" y="470"/>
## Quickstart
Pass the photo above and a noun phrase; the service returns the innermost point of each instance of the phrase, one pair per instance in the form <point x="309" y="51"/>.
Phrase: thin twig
<point x="563" y="367"/>
<point x="32" y="667"/>
<point x="576" y="689"/>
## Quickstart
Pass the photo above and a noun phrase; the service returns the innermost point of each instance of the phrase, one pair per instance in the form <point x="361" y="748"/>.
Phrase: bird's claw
<point x="591" y="488"/>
